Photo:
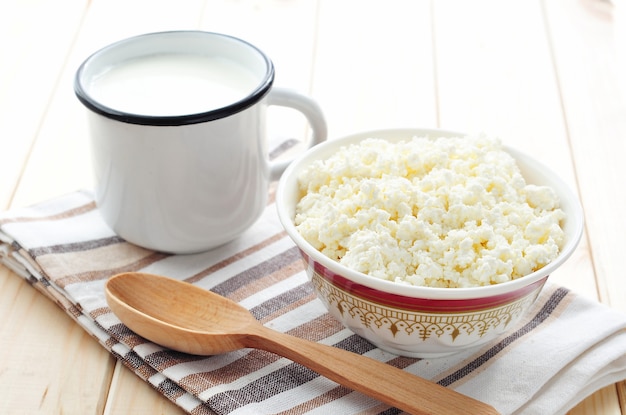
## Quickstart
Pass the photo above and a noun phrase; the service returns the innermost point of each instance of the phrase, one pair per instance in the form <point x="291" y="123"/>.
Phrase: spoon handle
<point x="379" y="380"/>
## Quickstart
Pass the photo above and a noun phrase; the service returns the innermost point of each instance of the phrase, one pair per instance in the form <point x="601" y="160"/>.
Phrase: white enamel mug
<point x="178" y="130"/>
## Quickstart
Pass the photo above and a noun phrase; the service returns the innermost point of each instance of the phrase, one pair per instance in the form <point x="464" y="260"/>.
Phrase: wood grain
<point x="33" y="50"/>
<point x="371" y="73"/>
<point x="596" y="119"/>
<point x="539" y="73"/>
<point x="48" y="364"/>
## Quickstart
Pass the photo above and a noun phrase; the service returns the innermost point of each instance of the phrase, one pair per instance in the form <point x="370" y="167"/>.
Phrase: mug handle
<point x="311" y="111"/>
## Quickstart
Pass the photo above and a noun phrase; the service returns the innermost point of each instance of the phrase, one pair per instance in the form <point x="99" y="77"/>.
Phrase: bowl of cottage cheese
<point x="427" y="242"/>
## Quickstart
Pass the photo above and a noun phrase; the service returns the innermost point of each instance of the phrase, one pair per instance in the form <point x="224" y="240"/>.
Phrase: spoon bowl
<point x="189" y="319"/>
<point x="178" y="315"/>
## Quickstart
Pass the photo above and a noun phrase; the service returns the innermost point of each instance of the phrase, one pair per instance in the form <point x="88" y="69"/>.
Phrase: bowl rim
<point x="574" y="220"/>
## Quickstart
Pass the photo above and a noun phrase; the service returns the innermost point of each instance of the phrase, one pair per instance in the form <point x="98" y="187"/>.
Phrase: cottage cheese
<point x="446" y="212"/>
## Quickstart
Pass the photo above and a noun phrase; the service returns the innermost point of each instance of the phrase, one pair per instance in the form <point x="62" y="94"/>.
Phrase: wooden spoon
<point x="189" y="319"/>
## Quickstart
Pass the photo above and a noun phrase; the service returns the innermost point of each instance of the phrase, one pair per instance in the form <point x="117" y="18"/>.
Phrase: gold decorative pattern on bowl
<point x="418" y="325"/>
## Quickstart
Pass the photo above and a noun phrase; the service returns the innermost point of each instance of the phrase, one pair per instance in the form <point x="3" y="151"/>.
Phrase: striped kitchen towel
<point x="566" y="348"/>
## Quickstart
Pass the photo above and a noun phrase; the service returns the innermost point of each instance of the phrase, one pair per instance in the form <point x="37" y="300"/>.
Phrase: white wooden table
<point x="539" y="74"/>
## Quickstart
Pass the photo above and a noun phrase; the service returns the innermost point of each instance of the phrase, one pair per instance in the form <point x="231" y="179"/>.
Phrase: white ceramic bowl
<point x="422" y="321"/>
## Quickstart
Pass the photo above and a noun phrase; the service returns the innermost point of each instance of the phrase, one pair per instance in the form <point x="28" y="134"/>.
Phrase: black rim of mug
<point x="174" y="120"/>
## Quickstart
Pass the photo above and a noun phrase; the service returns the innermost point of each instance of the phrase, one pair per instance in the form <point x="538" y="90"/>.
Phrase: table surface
<point x="541" y="75"/>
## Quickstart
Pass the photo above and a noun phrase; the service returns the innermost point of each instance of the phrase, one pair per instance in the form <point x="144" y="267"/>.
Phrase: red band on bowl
<point x="428" y="305"/>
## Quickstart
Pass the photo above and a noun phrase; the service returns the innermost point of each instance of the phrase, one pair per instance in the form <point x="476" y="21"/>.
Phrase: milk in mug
<point x="172" y="84"/>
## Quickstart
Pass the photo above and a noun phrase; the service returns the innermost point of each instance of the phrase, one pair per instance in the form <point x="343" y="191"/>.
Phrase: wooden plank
<point x="285" y="31"/>
<point x="48" y="364"/>
<point x="603" y="402"/>
<point x="582" y="35"/>
<point x="621" y="394"/>
<point x="33" y="50"/>
<point x="46" y="355"/>
<point x="496" y="76"/>
<point x="374" y="65"/>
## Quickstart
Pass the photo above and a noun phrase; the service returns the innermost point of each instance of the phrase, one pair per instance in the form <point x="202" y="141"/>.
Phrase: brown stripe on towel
<point x="294" y="305"/>
<point x="355" y="344"/>
<point x="402" y="362"/>
<point x="317" y="329"/>
<point x="104" y="257"/>
<point x="117" y="332"/>
<point x="170" y="389"/>
<point x="250" y="362"/>
<point x="197" y="277"/>
<point x="251" y="275"/>
<point x="556" y="297"/>
<point x="281" y="380"/>
<point x="319" y="400"/>
<point x="132" y="361"/>
<point x="202" y="409"/>
<point x="166" y="358"/>
<point x="98" y="312"/>
<point x="270" y="279"/>
<point x="110" y="342"/>
<point x="281" y="301"/>
<point x="124" y="335"/>
<point x="61" y="215"/>
<point x="104" y="274"/>
<point x="75" y="247"/>
<point x="97" y="264"/>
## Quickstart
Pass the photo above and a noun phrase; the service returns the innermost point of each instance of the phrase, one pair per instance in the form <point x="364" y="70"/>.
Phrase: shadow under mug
<point x="182" y="180"/>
